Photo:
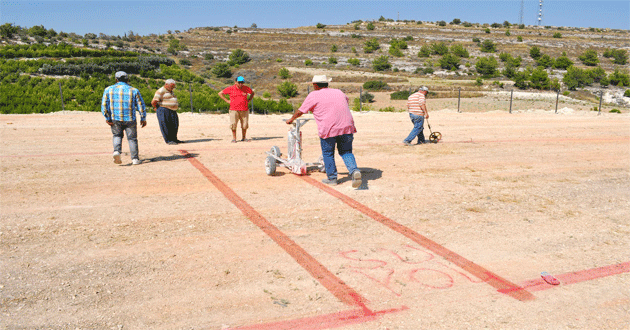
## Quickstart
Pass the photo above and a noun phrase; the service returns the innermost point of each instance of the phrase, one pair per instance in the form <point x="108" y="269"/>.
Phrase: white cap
<point x="121" y="74"/>
<point x="321" y="79"/>
<point x="424" y="89"/>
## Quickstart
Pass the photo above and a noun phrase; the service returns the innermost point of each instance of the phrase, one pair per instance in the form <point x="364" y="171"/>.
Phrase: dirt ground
<point x="452" y="235"/>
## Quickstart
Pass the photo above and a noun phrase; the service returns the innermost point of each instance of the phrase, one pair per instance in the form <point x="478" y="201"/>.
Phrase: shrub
<point x="475" y="39"/>
<point x="425" y="51"/>
<point x="308" y="62"/>
<point x="596" y="74"/>
<point x="460" y="51"/>
<point x="557" y="35"/>
<point x="396" y="52"/>
<point x="400" y="95"/>
<point x="487" y="66"/>
<point x="367" y="97"/>
<point x="519" y="39"/>
<point x="575" y="78"/>
<point x="441" y="23"/>
<point x="332" y="60"/>
<point x="534" y="52"/>
<point x="287" y="89"/>
<point x="370" y="26"/>
<point x="208" y="57"/>
<point x="487" y="46"/>
<point x="266" y="95"/>
<point x="449" y="62"/>
<point x="566" y="93"/>
<point x="185" y="61"/>
<point x="333" y="48"/>
<point x="479" y="81"/>
<point x="545" y="61"/>
<point x="539" y="79"/>
<point x="387" y="109"/>
<point x="222" y="70"/>
<point x="439" y="48"/>
<point x="487" y="30"/>
<point x="374" y="84"/>
<point x="381" y="63"/>
<point x="620" y="56"/>
<point x="589" y="57"/>
<point x="563" y="63"/>
<point x="619" y="78"/>
<point x="626" y="93"/>
<point x="238" y="56"/>
<point x="615" y="111"/>
<point x="507" y="32"/>
<point x="354" y="61"/>
<point x="456" y="21"/>
<point x="320" y="25"/>
<point x="284" y="73"/>
<point x="371" y="45"/>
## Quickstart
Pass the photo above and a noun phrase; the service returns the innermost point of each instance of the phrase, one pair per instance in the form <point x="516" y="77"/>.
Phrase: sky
<point x="160" y="16"/>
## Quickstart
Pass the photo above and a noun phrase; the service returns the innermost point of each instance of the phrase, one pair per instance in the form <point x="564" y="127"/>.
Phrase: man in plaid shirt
<point x="119" y="105"/>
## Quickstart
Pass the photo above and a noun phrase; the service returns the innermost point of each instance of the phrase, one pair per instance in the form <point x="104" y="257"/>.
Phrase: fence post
<point x="61" y="93"/>
<point x="557" y="97"/>
<point x="459" y="95"/>
<point x="190" y="90"/>
<point x="511" y="93"/>
<point x="360" y="95"/>
<point x="601" y="96"/>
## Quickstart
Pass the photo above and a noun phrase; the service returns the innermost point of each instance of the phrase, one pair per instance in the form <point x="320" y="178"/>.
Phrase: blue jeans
<point x="418" y="127"/>
<point x="169" y="123"/>
<point x="119" y="128"/>
<point x="344" y="146"/>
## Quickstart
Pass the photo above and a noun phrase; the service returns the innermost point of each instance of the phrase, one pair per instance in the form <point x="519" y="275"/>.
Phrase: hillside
<point x="415" y="53"/>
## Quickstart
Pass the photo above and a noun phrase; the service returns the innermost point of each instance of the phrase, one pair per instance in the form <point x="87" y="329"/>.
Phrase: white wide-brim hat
<point x="321" y="79"/>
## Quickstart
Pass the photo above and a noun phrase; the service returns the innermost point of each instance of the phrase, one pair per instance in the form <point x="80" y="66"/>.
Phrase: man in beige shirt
<point x="165" y="105"/>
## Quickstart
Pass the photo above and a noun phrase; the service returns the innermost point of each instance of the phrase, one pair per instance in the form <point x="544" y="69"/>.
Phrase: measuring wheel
<point x="276" y="151"/>
<point x="435" y="137"/>
<point x="270" y="165"/>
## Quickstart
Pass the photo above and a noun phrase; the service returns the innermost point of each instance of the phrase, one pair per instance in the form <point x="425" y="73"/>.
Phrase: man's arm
<point x="105" y="109"/>
<point x="296" y="115"/>
<point x="141" y="108"/>
<point x="222" y="95"/>
<point x="426" y="112"/>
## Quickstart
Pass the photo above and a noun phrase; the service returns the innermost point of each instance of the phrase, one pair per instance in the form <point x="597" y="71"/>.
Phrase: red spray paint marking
<point x="577" y="277"/>
<point x="483" y="274"/>
<point x="331" y="282"/>
<point x="327" y="321"/>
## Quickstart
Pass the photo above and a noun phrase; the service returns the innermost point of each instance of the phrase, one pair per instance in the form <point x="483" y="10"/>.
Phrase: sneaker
<point x="356" y="179"/>
<point x="407" y="143"/>
<point x="117" y="158"/>
<point x="330" y="182"/>
<point x="136" y="161"/>
<point x="171" y="143"/>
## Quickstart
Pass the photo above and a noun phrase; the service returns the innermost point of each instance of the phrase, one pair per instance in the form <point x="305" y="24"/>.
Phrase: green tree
<point x="439" y="48"/>
<point x="449" y="62"/>
<point x="308" y="62"/>
<point x="354" y="61"/>
<point x="374" y="85"/>
<point x="456" y="21"/>
<point x="459" y="50"/>
<point x="487" y="66"/>
<point x="589" y="57"/>
<point x="425" y="51"/>
<point x="370" y="26"/>
<point x="396" y="52"/>
<point x="371" y="45"/>
<point x="287" y="89"/>
<point x="539" y="79"/>
<point x="576" y="78"/>
<point x="557" y="35"/>
<point x="7" y="30"/>
<point x="620" y="56"/>
<point x="333" y="48"/>
<point x="596" y="74"/>
<point x="238" y="56"/>
<point x="37" y="30"/>
<point x="563" y="62"/>
<point x="534" y="52"/>
<point x="332" y="60"/>
<point x="545" y="61"/>
<point x="284" y="73"/>
<point x="619" y="78"/>
<point x="222" y="70"/>
<point x="521" y="79"/>
<point x="320" y="25"/>
<point x="487" y="46"/>
<point x="381" y="63"/>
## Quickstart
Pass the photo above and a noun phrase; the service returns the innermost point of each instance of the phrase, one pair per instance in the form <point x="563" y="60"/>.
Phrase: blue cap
<point x="240" y="78"/>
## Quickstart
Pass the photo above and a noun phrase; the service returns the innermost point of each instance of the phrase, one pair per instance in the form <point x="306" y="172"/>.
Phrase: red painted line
<point x="327" y="321"/>
<point x="331" y="282"/>
<point x="576" y="277"/>
<point x="483" y="274"/>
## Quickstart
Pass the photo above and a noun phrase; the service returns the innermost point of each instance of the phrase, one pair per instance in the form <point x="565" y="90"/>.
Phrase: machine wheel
<point x="270" y="165"/>
<point x="276" y="151"/>
<point x="435" y="137"/>
<point x="321" y="167"/>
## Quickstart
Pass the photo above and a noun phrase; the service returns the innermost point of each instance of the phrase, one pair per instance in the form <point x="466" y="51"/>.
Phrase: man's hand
<point x="143" y="123"/>
<point x="109" y="122"/>
<point x="426" y="115"/>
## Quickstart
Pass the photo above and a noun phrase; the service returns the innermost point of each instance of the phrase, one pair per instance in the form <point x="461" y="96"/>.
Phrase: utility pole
<point x="520" y="18"/>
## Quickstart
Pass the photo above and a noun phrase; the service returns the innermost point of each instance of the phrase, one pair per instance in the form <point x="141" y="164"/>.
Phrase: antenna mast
<point x="520" y="20"/>
<point x="540" y="14"/>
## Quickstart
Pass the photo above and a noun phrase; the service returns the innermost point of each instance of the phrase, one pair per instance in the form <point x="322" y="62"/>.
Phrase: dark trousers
<point x="169" y="124"/>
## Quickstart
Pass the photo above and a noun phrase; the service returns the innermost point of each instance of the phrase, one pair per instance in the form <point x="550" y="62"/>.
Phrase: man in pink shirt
<point x="239" y="110"/>
<point x="335" y="127"/>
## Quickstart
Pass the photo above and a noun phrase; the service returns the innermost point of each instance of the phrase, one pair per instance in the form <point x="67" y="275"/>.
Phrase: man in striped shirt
<point x="165" y="105"/>
<point x="119" y="105"/>
<point x="416" y="105"/>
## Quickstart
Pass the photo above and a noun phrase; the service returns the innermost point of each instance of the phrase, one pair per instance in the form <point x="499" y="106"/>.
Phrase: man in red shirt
<point x="239" y="98"/>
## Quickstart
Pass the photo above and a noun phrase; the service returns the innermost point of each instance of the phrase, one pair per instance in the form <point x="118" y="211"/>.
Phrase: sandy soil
<point x="451" y="235"/>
